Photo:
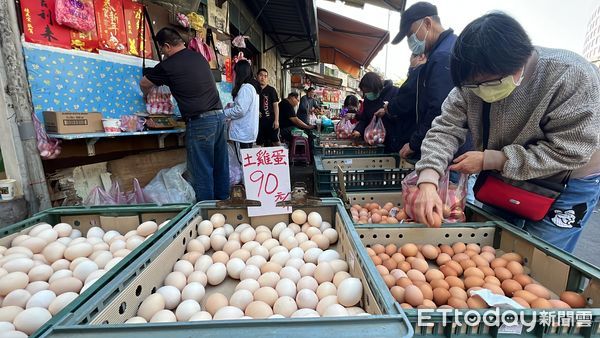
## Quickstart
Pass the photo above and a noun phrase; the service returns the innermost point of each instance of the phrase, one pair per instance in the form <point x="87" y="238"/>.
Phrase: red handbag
<point x="531" y="199"/>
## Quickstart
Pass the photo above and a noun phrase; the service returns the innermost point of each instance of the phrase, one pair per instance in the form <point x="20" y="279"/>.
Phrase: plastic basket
<point x="83" y="218"/>
<point x="111" y="306"/>
<point x="553" y="268"/>
<point x="358" y="173"/>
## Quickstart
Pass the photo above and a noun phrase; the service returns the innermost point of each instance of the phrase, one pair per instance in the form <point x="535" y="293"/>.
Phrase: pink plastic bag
<point x="453" y="196"/>
<point x="198" y="45"/>
<point x="344" y="128"/>
<point x="98" y="196"/>
<point x="375" y="132"/>
<point x="136" y="196"/>
<point x="77" y="14"/>
<point x="159" y="101"/>
<point x="49" y="148"/>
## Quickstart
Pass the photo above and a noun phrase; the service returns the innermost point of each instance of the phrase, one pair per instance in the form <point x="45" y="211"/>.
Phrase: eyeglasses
<point x="483" y="84"/>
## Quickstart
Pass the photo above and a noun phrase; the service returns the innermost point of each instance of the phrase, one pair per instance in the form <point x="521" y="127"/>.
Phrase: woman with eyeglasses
<point x="542" y="121"/>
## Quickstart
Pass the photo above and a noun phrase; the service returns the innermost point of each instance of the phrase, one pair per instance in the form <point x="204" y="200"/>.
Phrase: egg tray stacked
<point x="554" y="269"/>
<point x="77" y="221"/>
<point x="114" y="305"/>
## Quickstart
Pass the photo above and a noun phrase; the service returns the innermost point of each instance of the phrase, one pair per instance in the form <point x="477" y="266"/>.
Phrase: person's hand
<point x="276" y="125"/>
<point x="356" y="134"/>
<point x="405" y="152"/>
<point x="380" y="112"/>
<point x="470" y="162"/>
<point x="427" y="203"/>
<point x="229" y="105"/>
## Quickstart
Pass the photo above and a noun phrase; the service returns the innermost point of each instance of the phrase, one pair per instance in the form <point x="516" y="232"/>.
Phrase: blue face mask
<point x="371" y="96"/>
<point x="417" y="46"/>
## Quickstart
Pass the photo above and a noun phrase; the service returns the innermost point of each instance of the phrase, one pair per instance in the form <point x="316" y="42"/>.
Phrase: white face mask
<point x="417" y="46"/>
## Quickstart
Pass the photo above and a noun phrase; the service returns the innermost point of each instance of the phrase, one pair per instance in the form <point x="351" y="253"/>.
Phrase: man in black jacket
<point x="422" y="25"/>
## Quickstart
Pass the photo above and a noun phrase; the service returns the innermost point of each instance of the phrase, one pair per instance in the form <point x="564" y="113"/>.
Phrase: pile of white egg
<point x="47" y="268"/>
<point x="288" y="271"/>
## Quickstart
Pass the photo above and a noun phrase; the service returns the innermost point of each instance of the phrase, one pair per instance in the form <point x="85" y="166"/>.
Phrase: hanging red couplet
<point x="111" y="25"/>
<point x="134" y="15"/>
<point x="39" y="25"/>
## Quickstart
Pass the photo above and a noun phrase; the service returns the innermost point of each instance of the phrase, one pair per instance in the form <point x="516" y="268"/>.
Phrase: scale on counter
<point x="159" y="122"/>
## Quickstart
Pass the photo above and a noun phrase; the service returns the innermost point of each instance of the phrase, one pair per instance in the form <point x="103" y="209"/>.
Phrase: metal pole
<point x="387" y="47"/>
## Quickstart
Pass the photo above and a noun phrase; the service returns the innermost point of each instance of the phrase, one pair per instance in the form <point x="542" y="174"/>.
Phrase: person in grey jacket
<point x="544" y="123"/>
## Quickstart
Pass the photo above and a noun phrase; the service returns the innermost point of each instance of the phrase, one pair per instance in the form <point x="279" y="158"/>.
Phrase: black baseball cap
<point x="415" y="12"/>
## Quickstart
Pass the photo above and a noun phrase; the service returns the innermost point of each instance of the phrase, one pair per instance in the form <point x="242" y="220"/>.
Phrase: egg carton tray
<point x="345" y="147"/>
<point x="358" y="173"/>
<point x="104" y="315"/>
<point x="82" y="219"/>
<point x="555" y="269"/>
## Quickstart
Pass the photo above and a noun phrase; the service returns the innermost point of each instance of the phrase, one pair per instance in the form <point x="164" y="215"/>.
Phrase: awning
<point x="347" y="43"/>
<point x="395" y="5"/>
<point x="292" y="26"/>
<point x="323" y="80"/>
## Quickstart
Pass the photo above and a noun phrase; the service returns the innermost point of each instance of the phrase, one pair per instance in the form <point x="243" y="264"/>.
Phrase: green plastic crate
<point x="112" y="305"/>
<point x="82" y="218"/>
<point x="553" y="268"/>
<point x="346" y="148"/>
<point x="359" y="173"/>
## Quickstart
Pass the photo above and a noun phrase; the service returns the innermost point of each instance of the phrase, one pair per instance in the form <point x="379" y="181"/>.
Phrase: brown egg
<point x="559" y="304"/>
<point x="383" y="256"/>
<point x="498" y="262"/>
<point x="425" y="289"/>
<point x="475" y="288"/>
<point x="494" y="288"/>
<point x="404" y="282"/>
<point x="413" y="295"/>
<point x="398" y="257"/>
<point x="397" y="273"/>
<point x="473" y="281"/>
<point x="541" y="303"/>
<point x="456" y="266"/>
<point x="390" y="249"/>
<point x="390" y="264"/>
<point x="473" y="271"/>
<point x="513" y="256"/>
<point x="467" y="263"/>
<point x="476" y="302"/>
<point x="378" y="248"/>
<point x="383" y="270"/>
<point x="389" y="280"/>
<point x="515" y="267"/>
<point x="510" y="286"/>
<point x="376" y="218"/>
<point x="410" y="259"/>
<point x="437" y="220"/>
<point x="538" y="290"/>
<point x="442" y="259"/>
<point x="523" y="279"/>
<point x="488" y="256"/>
<point x="406" y="306"/>
<point x="459" y="247"/>
<point x="420" y="255"/>
<point x="415" y="275"/>
<point x="376" y="260"/>
<point x="433" y="274"/>
<point x="526" y="295"/>
<point x="398" y="293"/>
<point x="471" y="253"/>
<point x="447" y="249"/>
<point x="459" y="293"/>
<point x="573" y="299"/>
<point x="404" y="266"/>
<point x="439" y="283"/>
<point x="429" y="251"/>
<point x="427" y="304"/>
<point x="459" y="257"/>
<point x="270" y="267"/>
<point x="388" y="206"/>
<point x="492" y="280"/>
<point x="371" y="252"/>
<point x="480" y="261"/>
<point x="502" y="273"/>
<point x="474" y="247"/>
<point x="457" y="303"/>
<point x="420" y="264"/>
<point x="441" y="296"/>
<point x="409" y="250"/>
<point x="522" y="302"/>
<point x="455" y="281"/>
<point x="487" y="271"/>
<point x="448" y="271"/>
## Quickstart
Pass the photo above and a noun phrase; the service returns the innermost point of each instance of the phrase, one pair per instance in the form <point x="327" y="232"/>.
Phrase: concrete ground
<point x="588" y="247"/>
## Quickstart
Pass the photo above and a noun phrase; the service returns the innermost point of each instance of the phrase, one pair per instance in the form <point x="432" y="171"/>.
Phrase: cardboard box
<point x="72" y="123"/>
<point x="123" y="224"/>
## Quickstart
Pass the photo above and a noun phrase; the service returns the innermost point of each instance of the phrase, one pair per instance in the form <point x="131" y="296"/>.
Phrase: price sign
<point x="267" y="179"/>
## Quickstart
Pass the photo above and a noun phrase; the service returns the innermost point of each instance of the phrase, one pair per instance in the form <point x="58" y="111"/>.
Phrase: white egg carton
<point x="115" y="304"/>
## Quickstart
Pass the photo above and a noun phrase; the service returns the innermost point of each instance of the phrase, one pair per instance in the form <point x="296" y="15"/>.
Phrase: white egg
<point x="228" y="312"/>
<point x="325" y="303"/>
<point x="195" y="245"/>
<point x="250" y="271"/>
<point x="295" y="228"/>
<point x="198" y="276"/>
<point x="248" y="235"/>
<point x="331" y="234"/>
<point x="84" y="269"/>
<point x="63" y="229"/>
<point x="136" y="320"/>
<point x="187" y="309"/>
<point x="48" y="235"/>
<point x="217" y="242"/>
<point x="13" y="281"/>
<point x="184" y="267"/>
<point x="19" y="264"/>
<point x="217" y="272"/>
<point x="290" y="243"/>
<point x="203" y="263"/>
<point x="199" y="316"/>
<point x="308" y="269"/>
<point x="151" y="305"/>
<point x="286" y="233"/>
<point x="312" y="255"/>
<point x="163" y="316"/>
<point x="269" y="243"/>
<point x="122" y="253"/>
<point x="6" y="327"/>
<point x="65" y="240"/>
<point x="328" y="256"/>
<point x="205" y="241"/>
<point x="326" y="289"/>
<point x="301" y="238"/>
<point x="235" y="267"/>
<point x="35" y="287"/>
<point x="31" y="319"/>
<point x="305" y="313"/>
<point x="290" y="273"/>
<point x="219" y="232"/>
<point x="112" y="263"/>
<point x="18" y="249"/>
<point x="133" y="242"/>
<point x="277" y="249"/>
<point x="75" y="233"/>
<point x="294" y="262"/>
<point x="102" y="258"/>
<point x="147" y="228"/>
<point x="285" y="306"/>
<point x="280" y="257"/>
<point x="117" y="245"/>
<point x="286" y="287"/>
<point x="241" y="298"/>
<point x="17" y="297"/>
<point x="248" y="284"/>
<point x="65" y="284"/>
<point x="78" y="250"/>
<point x="95" y="232"/>
<point x="110" y="235"/>
<point x="269" y="279"/>
<point x="193" y="291"/>
<point x="307" y="282"/>
<point x="176" y="279"/>
<point x="161" y="225"/>
<point x="350" y="291"/>
<point x="335" y="310"/>
<point x="38" y="228"/>
<point x="315" y="219"/>
<point x="250" y="245"/>
<point x="260" y="251"/>
<point x="172" y="296"/>
<point x="307" y="299"/>
<point x="218" y="220"/>
<point x="35" y="244"/>
<point x="41" y="299"/>
<point x="241" y="227"/>
<point x="60" y="274"/>
<point x="257" y="261"/>
<point x="94" y="275"/>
